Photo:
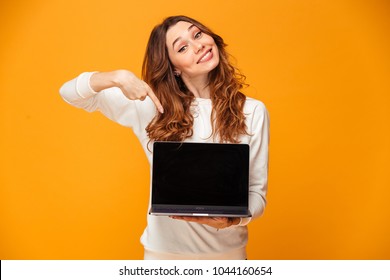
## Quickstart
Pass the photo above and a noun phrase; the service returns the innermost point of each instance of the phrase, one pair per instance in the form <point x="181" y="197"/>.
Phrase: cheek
<point x="210" y="40"/>
<point x="181" y="61"/>
<point x="217" y="55"/>
<point x="173" y="59"/>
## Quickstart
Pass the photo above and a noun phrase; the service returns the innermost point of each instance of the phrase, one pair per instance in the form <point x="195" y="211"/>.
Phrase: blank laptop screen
<point x="200" y="174"/>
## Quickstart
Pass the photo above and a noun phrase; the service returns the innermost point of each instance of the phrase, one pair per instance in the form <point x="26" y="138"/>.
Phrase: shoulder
<point x="252" y="105"/>
<point x="256" y="114"/>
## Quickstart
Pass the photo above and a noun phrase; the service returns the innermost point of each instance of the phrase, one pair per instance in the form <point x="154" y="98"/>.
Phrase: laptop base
<point x="201" y="211"/>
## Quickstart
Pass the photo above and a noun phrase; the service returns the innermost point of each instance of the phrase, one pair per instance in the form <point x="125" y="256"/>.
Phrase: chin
<point x="214" y="66"/>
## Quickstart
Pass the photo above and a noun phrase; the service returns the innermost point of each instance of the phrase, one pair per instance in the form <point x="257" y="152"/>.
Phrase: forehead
<point x="176" y="31"/>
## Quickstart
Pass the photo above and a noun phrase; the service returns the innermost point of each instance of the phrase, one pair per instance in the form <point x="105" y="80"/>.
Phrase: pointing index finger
<point x="155" y="100"/>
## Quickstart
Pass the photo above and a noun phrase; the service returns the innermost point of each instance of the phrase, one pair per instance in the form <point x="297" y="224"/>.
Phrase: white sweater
<point x="163" y="234"/>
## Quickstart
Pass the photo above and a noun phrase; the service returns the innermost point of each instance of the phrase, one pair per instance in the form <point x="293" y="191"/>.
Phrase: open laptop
<point x="200" y="179"/>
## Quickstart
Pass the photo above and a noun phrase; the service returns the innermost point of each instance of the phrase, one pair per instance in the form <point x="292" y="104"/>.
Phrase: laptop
<point x="200" y="179"/>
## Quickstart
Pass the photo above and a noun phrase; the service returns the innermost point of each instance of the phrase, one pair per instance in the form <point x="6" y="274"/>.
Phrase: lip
<point x="210" y="56"/>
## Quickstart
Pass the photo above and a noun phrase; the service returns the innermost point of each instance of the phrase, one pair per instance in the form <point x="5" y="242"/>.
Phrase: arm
<point x="132" y="87"/>
<point x="114" y="94"/>
<point x="88" y="85"/>
<point x="258" y="173"/>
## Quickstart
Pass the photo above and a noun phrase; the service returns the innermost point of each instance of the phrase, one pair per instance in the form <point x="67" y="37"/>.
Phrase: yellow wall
<point x="75" y="185"/>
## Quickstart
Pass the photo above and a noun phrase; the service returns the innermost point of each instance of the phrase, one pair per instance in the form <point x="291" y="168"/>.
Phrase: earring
<point x="176" y="73"/>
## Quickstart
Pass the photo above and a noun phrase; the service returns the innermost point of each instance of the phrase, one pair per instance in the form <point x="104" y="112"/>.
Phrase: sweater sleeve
<point x="110" y="102"/>
<point x="258" y="172"/>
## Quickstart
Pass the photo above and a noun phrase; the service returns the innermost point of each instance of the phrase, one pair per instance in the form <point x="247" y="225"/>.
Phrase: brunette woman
<point x="189" y="92"/>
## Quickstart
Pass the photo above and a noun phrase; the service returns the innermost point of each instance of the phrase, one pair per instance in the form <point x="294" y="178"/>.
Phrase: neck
<point x="198" y="86"/>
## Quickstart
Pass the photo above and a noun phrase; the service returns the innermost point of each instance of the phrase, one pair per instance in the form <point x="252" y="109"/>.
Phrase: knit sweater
<point x="163" y="234"/>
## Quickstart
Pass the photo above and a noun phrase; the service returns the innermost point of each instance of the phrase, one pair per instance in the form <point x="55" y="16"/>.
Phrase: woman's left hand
<point x="216" y="222"/>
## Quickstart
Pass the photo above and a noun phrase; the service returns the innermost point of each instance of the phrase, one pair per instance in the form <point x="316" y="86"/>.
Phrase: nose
<point x="198" y="47"/>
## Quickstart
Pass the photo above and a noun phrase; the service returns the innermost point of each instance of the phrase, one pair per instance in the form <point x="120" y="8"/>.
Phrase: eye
<point x="198" y="35"/>
<point x="182" y="49"/>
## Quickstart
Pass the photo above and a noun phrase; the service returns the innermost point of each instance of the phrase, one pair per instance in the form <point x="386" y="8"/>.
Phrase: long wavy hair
<point x="225" y="82"/>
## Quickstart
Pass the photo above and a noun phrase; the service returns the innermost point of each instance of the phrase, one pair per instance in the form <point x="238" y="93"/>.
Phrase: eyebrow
<point x="178" y="38"/>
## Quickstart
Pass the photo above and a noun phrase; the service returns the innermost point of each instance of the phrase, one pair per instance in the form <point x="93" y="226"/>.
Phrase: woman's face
<point x="192" y="52"/>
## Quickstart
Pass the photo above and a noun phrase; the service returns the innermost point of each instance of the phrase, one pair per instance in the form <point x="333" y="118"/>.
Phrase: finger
<point x="154" y="98"/>
<point x="220" y="219"/>
<point x="187" y="218"/>
<point x="200" y="220"/>
<point x="184" y="218"/>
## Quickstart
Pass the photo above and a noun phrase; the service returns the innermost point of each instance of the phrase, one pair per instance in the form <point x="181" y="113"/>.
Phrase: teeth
<point x="205" y="56"/>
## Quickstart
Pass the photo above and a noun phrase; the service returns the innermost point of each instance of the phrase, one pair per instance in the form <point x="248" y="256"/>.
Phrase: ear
<point x="176" y="72"/>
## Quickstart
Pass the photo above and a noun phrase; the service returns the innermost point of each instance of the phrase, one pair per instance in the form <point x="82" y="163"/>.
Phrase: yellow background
<point x="75" y="185"/>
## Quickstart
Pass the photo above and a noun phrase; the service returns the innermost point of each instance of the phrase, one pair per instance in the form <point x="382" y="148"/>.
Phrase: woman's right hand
<point x="132" y="87"/>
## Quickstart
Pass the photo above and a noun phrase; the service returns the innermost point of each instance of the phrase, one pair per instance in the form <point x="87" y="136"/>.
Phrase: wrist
<point x="102" y="80"/>
<point x="120" y="77"/>
<point x="235" y="221"/>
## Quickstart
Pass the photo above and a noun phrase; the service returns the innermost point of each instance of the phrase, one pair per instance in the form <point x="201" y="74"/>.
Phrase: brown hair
<point x="225" y="82"/>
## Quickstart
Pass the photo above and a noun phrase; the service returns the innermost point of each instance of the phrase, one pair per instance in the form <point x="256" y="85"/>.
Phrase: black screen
<point x="200" y="174"/>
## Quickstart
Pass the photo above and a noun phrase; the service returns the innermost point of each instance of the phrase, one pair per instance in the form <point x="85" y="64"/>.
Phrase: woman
<point x="189" y="92"/>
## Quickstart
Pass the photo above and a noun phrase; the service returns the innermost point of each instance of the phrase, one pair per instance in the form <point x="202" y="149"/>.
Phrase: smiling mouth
<point x="207" y="56"/>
